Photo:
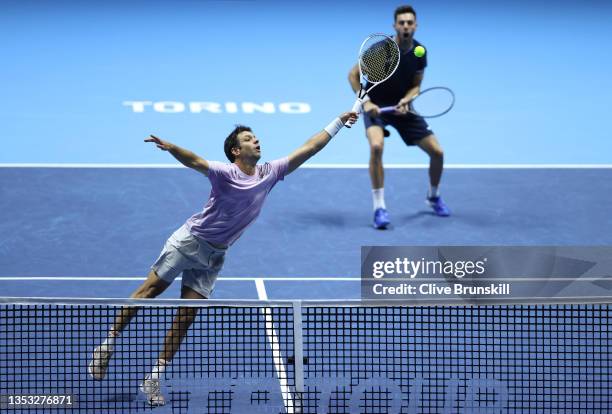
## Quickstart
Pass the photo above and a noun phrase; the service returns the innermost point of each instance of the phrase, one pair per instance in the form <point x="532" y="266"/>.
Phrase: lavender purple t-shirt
<point x="235" y="200"/>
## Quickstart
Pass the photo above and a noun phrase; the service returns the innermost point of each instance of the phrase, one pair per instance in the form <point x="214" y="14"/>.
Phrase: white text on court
<point x="174" y="107"/>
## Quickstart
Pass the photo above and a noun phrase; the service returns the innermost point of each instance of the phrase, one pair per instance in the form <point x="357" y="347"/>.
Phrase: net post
<point x="298" y="349"/>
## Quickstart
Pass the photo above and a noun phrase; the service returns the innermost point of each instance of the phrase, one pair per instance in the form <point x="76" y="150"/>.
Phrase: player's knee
<point x="146" y="292"/>
<point x="191" y="315"/>
<point x="437" y="154"/>
<point x="149" y="290"/>
<point x="376" y="150"/>
<point x="187" y="315"/>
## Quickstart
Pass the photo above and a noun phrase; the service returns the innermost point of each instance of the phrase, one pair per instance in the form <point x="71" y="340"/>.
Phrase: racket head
<point x="433" y="102"/>
<point x="379" y="57"/>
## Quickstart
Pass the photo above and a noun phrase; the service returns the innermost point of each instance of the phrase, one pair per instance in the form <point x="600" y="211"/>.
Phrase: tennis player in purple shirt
<point x="197" y="249"/>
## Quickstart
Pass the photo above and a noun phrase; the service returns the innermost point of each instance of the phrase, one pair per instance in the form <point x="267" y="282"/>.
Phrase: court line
<point x="316" y="166"/>
<point x="261" y="289"/>
<point x="277" y="357"/>
<point x="312" y="279"/>
<point x="127" y="278"/>
<point x="284" y="303"/>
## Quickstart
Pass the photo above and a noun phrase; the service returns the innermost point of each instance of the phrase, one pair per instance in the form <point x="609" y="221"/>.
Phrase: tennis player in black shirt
<point x="398" y="90"/>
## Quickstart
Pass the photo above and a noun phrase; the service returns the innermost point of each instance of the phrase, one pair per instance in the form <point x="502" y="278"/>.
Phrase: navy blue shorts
<point x="411" y="128"/>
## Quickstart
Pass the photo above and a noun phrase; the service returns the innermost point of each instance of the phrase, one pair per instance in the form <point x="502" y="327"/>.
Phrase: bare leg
<point x="152" y="287"/>
<point x="182" y="321"/>
<point x="377" y="141"/>
<point x="376" y="138"/>
<point x="432" y="147"/>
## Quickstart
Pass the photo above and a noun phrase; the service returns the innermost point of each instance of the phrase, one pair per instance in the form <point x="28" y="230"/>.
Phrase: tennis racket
<point x="429" y="103"/>
<point x="379" y="57"/>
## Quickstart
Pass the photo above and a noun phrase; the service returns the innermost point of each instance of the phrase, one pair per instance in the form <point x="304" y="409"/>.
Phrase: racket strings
<point x="379" y="59"/>
<point x="433" y="102"/>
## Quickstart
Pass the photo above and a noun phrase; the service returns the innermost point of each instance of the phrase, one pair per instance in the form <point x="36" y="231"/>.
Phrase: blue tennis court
<point x="101" y="242"/>
<point x="87" y="205"/>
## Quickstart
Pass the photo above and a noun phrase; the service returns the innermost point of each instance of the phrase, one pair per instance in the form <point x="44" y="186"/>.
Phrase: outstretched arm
<point x="185" y="157"/>
<point x="318" y="141"/>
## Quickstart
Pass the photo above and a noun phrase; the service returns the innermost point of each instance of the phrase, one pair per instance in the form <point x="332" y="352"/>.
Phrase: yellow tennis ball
<point x="419" y="51"/>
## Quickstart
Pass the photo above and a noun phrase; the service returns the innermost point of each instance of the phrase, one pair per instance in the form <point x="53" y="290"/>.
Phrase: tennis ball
<point x="419" y="51"/>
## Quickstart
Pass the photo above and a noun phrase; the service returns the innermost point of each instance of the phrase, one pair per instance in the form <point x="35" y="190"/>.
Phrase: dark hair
<point x="232" y="142"/>
<point x="402" y="10"/>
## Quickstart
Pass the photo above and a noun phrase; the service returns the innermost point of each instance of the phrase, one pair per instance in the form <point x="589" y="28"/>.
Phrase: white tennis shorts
<point x="197" y="260"/>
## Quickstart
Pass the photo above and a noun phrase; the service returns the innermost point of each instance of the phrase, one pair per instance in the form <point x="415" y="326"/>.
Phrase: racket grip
<point x="356" y="108"/>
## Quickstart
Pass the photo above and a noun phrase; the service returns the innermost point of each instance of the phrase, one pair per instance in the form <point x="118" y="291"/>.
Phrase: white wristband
<point x="334" y="126"/>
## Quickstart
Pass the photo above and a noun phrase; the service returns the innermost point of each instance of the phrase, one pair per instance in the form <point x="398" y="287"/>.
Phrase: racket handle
<point x="385" y="109"/>
<point x="356" y="108"/>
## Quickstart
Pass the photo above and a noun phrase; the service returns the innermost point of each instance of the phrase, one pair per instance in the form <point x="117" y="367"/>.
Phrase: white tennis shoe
<point x="99" y="362"/>
<point x="152" y="389"/>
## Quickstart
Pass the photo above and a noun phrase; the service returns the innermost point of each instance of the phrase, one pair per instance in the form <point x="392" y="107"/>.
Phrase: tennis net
<point x="311" y="357"/>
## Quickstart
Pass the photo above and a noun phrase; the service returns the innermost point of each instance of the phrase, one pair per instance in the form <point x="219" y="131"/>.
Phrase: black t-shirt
<point x="393" y="89"/>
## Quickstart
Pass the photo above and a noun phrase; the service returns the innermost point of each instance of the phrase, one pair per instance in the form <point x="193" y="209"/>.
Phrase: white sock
<point x="433" y="191"/>
<point x="158" y="369"/>
<point x="378" y="197"/>
<point x="109" y="342"/>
